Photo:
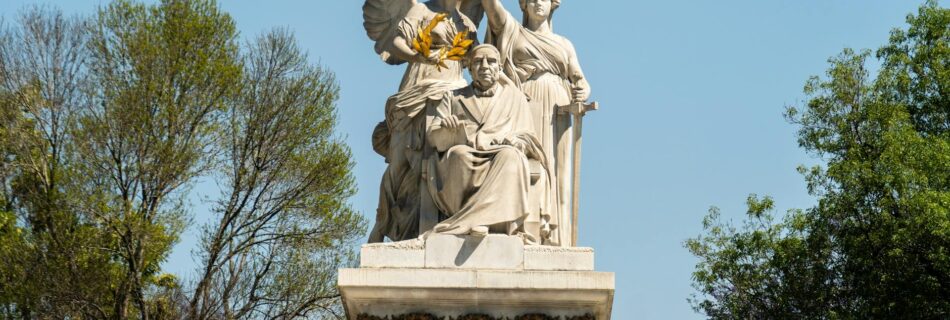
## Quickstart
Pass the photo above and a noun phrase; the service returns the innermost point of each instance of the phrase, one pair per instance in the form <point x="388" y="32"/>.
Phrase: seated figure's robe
<point x="480" y="175"/>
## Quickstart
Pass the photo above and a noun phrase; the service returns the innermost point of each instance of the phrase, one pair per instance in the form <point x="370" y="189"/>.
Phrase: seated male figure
<point x="485" y="140"/>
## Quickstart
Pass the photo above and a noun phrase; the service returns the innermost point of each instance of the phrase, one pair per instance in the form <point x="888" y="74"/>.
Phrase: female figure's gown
<point x="542" y="65"/>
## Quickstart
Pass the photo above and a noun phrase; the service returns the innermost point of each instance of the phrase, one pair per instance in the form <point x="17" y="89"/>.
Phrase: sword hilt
<point x="579" y="109"/>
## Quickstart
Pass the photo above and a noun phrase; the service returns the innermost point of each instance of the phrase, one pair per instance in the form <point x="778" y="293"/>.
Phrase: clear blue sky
<point x="692" y="95"/>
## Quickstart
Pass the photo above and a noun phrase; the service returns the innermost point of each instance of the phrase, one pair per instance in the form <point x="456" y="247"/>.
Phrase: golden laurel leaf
<point x="422" y="43"/>
<point x="460" y="46"/>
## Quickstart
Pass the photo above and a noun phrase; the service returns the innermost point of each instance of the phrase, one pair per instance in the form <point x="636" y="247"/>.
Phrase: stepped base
<point x="493" y="277"/>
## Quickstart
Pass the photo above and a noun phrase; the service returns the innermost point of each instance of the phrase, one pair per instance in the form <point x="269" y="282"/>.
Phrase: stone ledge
<point x="403" y="254"/>
<point x="498" y="252"/>
<point x="496" y="293"/>
<point x="466" y="252"/>
<point x="558" y="258"/>
<point x="482" y="279"/>
<point x="427" y="316"/>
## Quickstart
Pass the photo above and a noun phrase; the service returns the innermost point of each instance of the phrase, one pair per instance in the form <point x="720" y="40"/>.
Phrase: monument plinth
<point x="471" y="277"/>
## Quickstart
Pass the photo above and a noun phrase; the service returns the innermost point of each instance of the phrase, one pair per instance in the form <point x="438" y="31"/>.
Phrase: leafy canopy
<point x="105" y="125"/>
<point x="877" y="244"/>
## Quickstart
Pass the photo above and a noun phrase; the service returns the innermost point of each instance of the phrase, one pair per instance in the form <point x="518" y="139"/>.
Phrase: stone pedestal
<point x="475" y="278"/>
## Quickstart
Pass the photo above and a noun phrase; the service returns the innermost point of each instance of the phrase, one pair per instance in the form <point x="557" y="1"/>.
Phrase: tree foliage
<point x="877" y="244"/>
<point x="282" y="224"/>
<point x="107" y="122"/>
<point x="53" y="262"/>
<point x="163" y="75"/>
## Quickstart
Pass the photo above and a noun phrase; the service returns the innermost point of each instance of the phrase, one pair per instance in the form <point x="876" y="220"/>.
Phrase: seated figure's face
<point x="485" y="68"/>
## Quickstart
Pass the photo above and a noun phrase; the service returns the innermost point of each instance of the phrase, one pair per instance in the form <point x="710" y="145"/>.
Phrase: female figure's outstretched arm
<point x="496" y="14"/>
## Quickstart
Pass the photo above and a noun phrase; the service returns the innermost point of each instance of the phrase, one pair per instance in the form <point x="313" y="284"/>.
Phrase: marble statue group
<point x="497" y="155"/>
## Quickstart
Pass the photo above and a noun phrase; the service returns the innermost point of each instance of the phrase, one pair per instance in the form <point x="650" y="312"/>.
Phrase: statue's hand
<point x="451" y="122"/>
<point x="581" y="93"/>
<point x="433" y="58"/>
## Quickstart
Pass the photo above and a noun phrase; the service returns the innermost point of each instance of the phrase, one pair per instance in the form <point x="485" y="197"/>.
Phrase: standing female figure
<point x="546" y="68"/>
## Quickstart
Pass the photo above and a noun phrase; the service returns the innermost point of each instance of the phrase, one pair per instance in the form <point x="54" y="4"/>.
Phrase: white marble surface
<point x="472" y="252"/>
<point x="403" y="254"/>
<point x="558" y="258"/>
<point x="454" y="292"/>
<point x="499" y="252"/>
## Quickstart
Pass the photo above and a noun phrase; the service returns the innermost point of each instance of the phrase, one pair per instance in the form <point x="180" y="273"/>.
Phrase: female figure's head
<point x="538" y="11"/>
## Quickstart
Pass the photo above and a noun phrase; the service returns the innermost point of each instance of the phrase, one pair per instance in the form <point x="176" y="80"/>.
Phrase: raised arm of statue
<point x="497" y="15"/>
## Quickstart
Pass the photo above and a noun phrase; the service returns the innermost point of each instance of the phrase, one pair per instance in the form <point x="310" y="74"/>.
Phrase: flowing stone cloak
<point x="481" y="174"/>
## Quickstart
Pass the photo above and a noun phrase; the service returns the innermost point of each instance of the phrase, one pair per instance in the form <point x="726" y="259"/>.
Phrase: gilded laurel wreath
<point x="422" y="43"/>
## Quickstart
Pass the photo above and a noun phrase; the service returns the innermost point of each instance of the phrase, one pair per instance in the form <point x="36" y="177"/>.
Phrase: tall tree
<point x="162" y="76"/>
<point x="52" y="264"/>
<point x="877" y="244"/>
<point x="283" y="225"/>
<point x="104" y="126"/>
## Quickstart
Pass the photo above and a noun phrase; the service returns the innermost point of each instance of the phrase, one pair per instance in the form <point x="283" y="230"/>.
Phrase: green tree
<point x="106" y="123"/>
<point x="877" y="244"/>
<point x="53" y="266"/>
<point x="283" y="226"/>
<point x="163" y="74"/>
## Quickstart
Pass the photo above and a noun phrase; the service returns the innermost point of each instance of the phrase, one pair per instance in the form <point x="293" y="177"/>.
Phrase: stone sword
<point x="577" y="111"/>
